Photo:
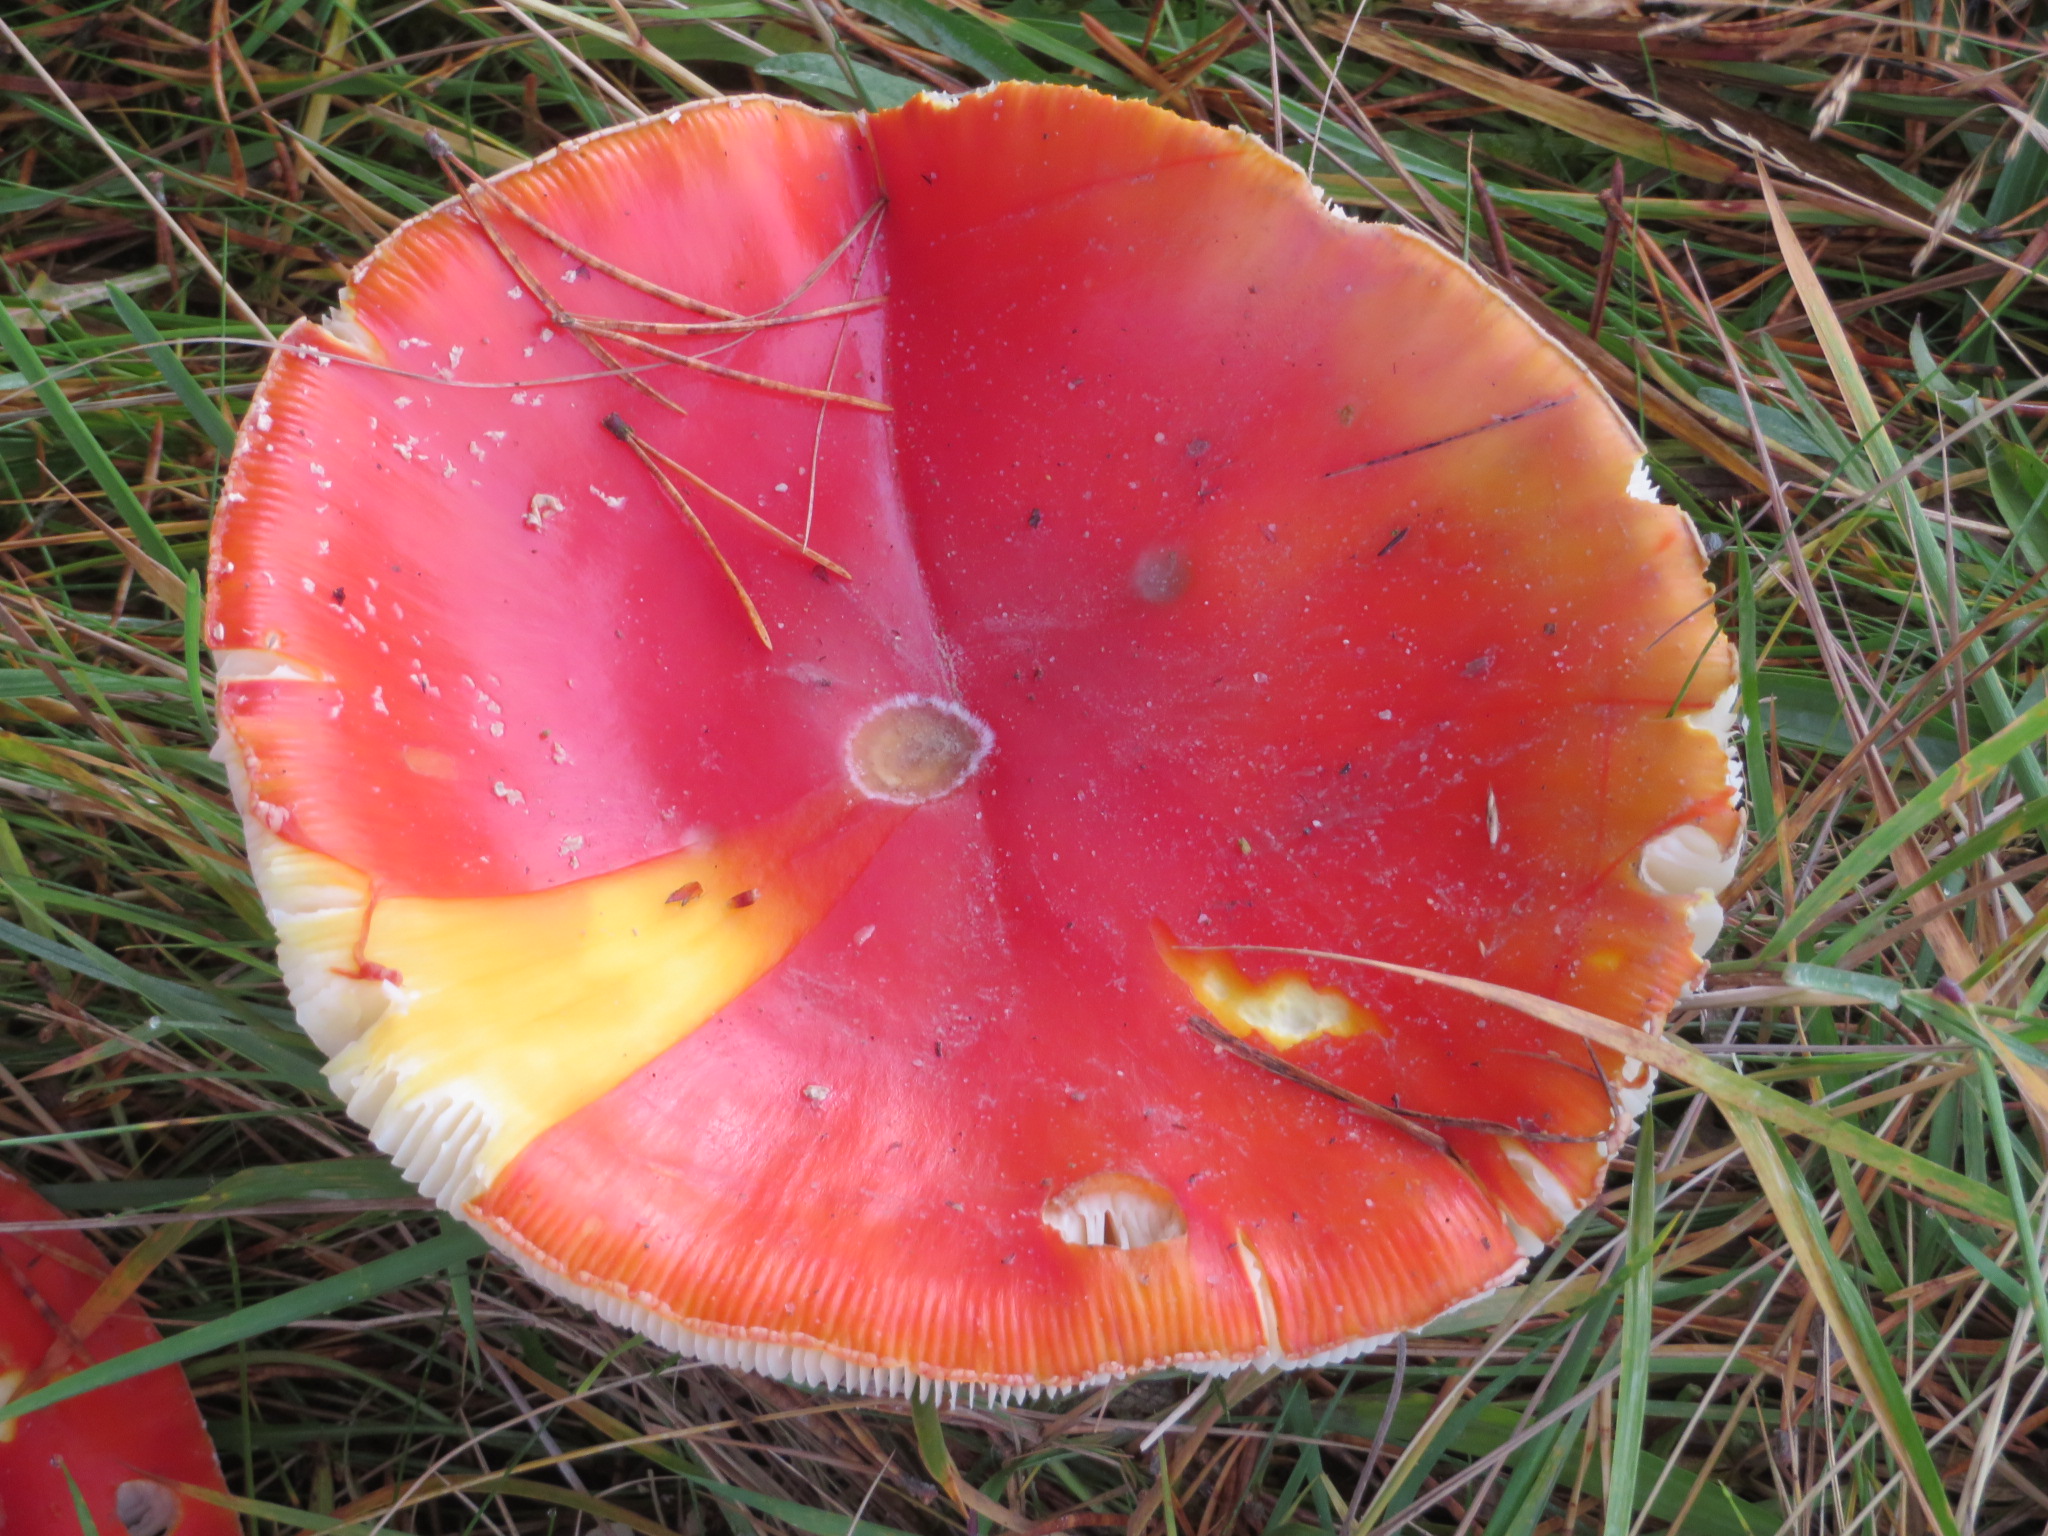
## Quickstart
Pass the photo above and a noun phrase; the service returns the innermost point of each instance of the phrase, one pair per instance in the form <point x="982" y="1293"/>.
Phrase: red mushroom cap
<point x="123" y="1449"/>
<point x="1160" y="570"/>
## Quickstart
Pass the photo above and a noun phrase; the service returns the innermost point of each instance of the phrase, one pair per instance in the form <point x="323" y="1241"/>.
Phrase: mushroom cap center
<point x="915" y="748"/>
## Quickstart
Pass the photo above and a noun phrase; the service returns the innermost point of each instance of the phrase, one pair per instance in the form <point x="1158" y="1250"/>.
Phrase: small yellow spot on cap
<point x="428" y="763"/>
<point x="1285" y="1009"/>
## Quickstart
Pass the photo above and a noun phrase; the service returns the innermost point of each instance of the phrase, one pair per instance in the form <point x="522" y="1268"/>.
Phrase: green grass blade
<point x="111" y="482"/>
<point x="1884" y="459"/>
<point x="1971" y="771"/>
<point x="822" y="76"/>
<point x="1637" y="1300"/>
<point x="319" y="1299"/>
<point x="87" y="1526"/>
<point x="959" y="37"/>
<point x="195" y="646"/>
<point x="89" y="960"/>
<point x="190" y="392"/>
<point x="1841" y="1302"/>
<point x="2016" y="1190"/>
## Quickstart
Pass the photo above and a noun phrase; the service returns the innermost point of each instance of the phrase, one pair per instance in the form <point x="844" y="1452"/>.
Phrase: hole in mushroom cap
<point x="259" y="667"/>
<point x="1115" y="1210"/>
<point x="1161" y="575"/>
<point x="145" y="1508"/>
<point x="915" y="748"/>
<point x="342" y="325"/>
<point x="1705" y="917"/>
<point x="1685" y="860"/>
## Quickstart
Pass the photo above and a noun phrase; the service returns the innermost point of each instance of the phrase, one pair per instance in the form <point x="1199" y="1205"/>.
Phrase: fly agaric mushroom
<point x="775" y="660"/>
<point x="124" y="1453"/>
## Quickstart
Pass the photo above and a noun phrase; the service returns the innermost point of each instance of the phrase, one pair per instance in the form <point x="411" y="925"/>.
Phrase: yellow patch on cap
<point x="1284" y="1010"/>
<point x="461" y="1028"/>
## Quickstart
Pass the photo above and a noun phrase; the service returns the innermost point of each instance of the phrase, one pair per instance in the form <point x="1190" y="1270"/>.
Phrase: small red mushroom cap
<point x="800" y="685"/>
<point x="126" y="1451"/>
